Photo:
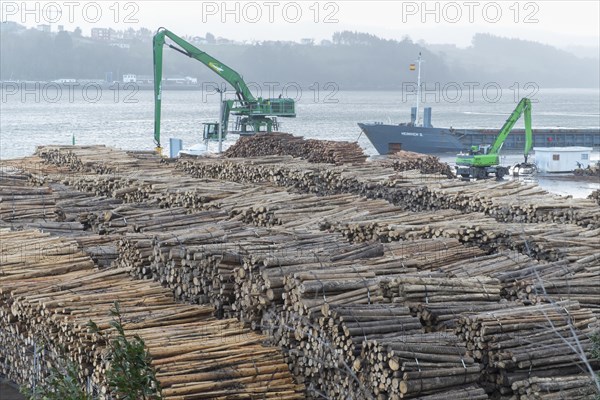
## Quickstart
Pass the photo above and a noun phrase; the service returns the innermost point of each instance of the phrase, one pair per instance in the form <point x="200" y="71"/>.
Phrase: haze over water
<point x="126" y="120"/>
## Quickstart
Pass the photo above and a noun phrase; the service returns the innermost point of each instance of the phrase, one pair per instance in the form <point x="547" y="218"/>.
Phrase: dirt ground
<point x="9" y="392"/>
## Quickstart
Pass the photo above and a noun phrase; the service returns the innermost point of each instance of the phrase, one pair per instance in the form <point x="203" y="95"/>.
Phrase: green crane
<point x="482" y="161"/>
<point x="254" y="113"/>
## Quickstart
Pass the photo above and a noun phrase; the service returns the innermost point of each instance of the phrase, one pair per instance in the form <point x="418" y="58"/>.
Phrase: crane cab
<point x="479" y="150"/>
<point x="210" y="131"/>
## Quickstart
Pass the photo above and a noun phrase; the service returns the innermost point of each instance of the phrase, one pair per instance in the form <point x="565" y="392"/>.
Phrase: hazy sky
<point x="559" y="23"/>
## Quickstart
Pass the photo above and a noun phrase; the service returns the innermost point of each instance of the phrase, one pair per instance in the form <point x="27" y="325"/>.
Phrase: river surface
<point x="124" y="118"/>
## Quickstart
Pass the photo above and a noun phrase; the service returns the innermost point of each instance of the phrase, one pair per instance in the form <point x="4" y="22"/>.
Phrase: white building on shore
<point x="562" y="159"/>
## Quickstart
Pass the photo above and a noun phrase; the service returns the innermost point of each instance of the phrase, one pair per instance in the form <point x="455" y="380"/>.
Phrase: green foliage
<point x="63" y="383"/>
<point x="130" y="375"/>
<point x="596" y="345"/>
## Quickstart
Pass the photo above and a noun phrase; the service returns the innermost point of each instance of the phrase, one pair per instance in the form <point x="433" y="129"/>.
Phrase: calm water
<point x="125" y="119"/>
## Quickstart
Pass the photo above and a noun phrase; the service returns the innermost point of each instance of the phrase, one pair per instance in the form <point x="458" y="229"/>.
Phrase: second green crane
<point x="255" y="114"/>
<point x="482" y="161"/>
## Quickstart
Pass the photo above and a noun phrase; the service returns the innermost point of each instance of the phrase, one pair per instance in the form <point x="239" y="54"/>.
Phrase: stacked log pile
<point x="467" y="233"/>
<point x="544" y="241"/>
<point x="443" y="317"/>
<point x="322" y="297"/>
<point x="146" y="218"/>
<point x="407" y="160"/>
<point x="415" y="365"/>
<point x="157" y="187"/>
<point x="383" y="222"/>
<point x="319" y="151"/>
<point x="414" y="290"/>
<point x="576" y="387"/>
<point x="260" y="282"/>
<point x="204" y="273"/>
<point x="47" y="298"/>
<point x="591" y="170"/>
<point x="19" y="201"/>
<point x="362" y="351"/>
<point x="577" y="281"/>
<point x="182" y="259"/>
<point x="61" y="211"/>
<point x="595" y="196"/>
<point x="517" y="343"/>
<point x="293" y="211"/>
<point x="310" y="291"/>
<point x="102" y="249"/>
<point x="513" y="201"/>
<point x="132" y="178"/>
<point x="97" y="159"/>
<point x="222" y="263"/>
<point x="196" y="357"/>
<point x="507" y="201"/>
<point x="324" y="283"/>
<point x="30" y="330"/>
<point x="136" y="255"/>
<point x="198" y="272"/>
<point x="332" y="358"/>
<point x="484" y="233"/>
<point x="74" y="205"/>
<point x="530" y="281"/>
<point x="308" y="275"/>
<point x="314" y="299"/>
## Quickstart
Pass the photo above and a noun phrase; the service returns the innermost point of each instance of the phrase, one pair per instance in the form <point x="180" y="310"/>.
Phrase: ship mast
<point x="418" y="88"/>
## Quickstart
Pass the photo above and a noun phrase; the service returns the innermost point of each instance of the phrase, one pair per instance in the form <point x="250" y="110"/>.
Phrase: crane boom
<point x="255" y="111"/>
<point x="188" y="49"/>
<point x="523" y="108"/>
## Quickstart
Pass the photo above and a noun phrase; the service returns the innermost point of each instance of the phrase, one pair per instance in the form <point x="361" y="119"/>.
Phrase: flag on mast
<point x="412" y="67"/>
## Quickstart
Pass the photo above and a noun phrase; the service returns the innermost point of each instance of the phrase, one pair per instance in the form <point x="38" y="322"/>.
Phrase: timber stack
<point x="407" y="160"/>
<point x="561" y="387"/>
<point x="277" y="143"/>
<point x="544" y="241"/>
<point x="19" y="201"/>
<point x="373" y="280"/>
<point x="508" y="201"/>
<point x="509" y="341"/>
<point x="577" y="281"/>
<point x="595" y="196"/>
<point x="591" y="170"/>
<point x="505" y="201"/>
<point x="415" y="290"/>
<point x="415" y="365"/>
<point x="41" y="299"/>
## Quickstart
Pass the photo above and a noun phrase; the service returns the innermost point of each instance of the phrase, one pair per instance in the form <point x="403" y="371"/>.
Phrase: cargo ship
<point x="388" y="138"/>
<point x="427" y="139"/>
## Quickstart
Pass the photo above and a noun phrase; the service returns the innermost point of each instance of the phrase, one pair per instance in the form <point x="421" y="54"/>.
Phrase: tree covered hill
<point x="352" y="60"/>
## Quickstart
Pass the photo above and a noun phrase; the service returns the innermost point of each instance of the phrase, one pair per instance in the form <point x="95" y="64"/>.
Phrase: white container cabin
<point x="561" y="159"/>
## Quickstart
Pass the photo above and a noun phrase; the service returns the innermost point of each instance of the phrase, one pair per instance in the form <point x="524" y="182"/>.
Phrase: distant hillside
<point x="352" y="60"/>
<point x="493" y="58"/>
<point x="584" y="51"/>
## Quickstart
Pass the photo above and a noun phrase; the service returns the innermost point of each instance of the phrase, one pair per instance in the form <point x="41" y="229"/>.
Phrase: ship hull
<point x="391" y="138"/>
